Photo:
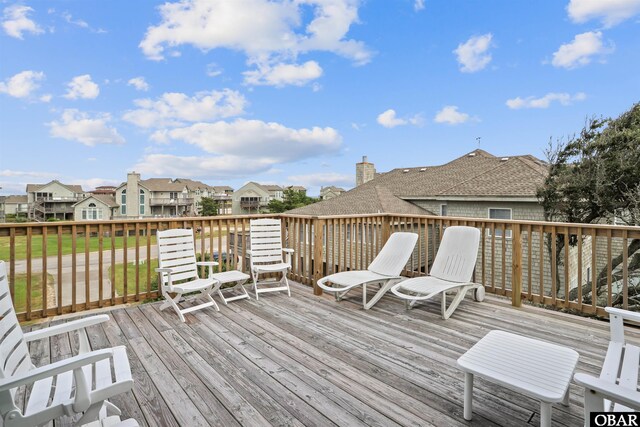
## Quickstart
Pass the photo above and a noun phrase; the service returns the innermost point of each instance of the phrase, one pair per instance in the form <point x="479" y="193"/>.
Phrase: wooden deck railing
<point x="63" y="267"/>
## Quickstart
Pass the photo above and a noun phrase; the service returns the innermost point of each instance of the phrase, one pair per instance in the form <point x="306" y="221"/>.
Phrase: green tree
<point x="595" y="177"/>
<point x="209" y="207"/>
<point x="291" y="199"/>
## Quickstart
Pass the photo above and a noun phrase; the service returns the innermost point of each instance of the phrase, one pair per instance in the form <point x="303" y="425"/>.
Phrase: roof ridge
<point x="526" y="163"/>
<point x="471" y="178"/>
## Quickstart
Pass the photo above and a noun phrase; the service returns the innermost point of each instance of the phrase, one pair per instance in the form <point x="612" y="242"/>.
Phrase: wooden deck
<point x="310" y="361"/>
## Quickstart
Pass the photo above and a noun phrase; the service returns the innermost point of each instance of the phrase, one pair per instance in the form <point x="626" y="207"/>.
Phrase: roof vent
<point x="405" y="171"/>
<point x="504" y="159"/>
<point x="472" y="154"/>
<point x="423" y="169"/>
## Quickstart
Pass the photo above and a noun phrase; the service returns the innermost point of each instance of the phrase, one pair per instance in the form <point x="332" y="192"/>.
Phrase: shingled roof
<point x="475" y="175"/>
<point x="32" y="188"/>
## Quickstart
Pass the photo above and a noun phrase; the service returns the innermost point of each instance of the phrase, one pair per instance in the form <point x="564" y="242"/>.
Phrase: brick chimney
<point x="365" y="171"/>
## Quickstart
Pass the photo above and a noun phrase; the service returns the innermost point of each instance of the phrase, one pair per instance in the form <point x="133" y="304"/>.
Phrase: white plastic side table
<point x="511" y="361"/>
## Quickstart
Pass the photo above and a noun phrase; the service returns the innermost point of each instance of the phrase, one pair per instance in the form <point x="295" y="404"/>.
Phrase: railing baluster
<point x="101" y="264"/>
<point x="45" y="275"/>
<point x="59" y="278"/>
<point x="625" y="270"/>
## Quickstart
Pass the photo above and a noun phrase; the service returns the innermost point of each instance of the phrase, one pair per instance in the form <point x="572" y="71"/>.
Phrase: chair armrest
<point x="248" y="251"/>
<point x="288" y="250"/>
<point x="625" y="314"/>
<point x="209" y="263"/>
<point x="65" y="327"/>
<point x="55" y="368"/>
<point x="611" y="391"/>
<point x="164" y="270"/>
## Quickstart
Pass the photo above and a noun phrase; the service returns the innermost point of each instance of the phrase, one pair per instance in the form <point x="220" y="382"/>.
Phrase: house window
<point x="502" y="214"/>
<point x="91" y="212"/>
<point x="123" y="202"/>
<point x="443" y="210"/>
<point x="141" y="202"/>
<point x="173" y="195"/>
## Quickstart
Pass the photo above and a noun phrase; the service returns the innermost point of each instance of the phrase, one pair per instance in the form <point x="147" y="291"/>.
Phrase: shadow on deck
<point x="309" y="360"/>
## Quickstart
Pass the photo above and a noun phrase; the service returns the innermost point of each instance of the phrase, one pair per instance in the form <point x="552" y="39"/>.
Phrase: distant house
<point x="298" y="188"/>
<point x="253" y="198"/>
<point x="330" y="192"/>
<point x="52" y="200"/>
<point x="12" y="207"/>
<point x="95" y="207"/>
<point x="160" y="197"/>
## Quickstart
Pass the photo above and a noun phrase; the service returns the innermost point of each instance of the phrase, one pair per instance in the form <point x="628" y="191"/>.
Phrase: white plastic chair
<point x="178" y="271"/>
<point x="384" y="270"/>
<point x="452" y="270"/>
<point x="265" y="255"/>
<point x="616" y="389"/>
<point x="78" y="385"/>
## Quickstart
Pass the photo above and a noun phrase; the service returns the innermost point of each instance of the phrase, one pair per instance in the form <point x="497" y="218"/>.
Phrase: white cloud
<point x="23" y="84"/>
<point x="323" y="179"/>
<point x="451" y="116"/>
<point x="15" y="21"/>
<point x="78" y="126"/>
<point x="473" y="55"/>
<point x="255" y="139"/>
<point x="270" y="33"/>
<point x="82" y="87"/>
<point x="13" y="174"/>
<point x="280" y="75"/>
<point x="610" y="12"/>
<point x="389" y="119"/>
<point x="139" y="83"/>
<point x="580" y="50"/>
<point x="80" y="23"/>
<point x="545" y="101"/>
<point x="418" y="5"/>
<point x="175" y="109"/>
<point x="46" y="97"/>
<point x="213" y="70"/>
<point x="199" y="166"/>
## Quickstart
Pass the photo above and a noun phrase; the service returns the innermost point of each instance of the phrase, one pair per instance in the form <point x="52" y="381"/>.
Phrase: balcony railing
<point x="63" y="267"/>
<point x="250" y="204"/>
<point x="158" y="201"/>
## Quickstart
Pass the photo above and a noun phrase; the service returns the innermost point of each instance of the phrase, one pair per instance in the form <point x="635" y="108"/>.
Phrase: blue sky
<point x="295" y="92"/>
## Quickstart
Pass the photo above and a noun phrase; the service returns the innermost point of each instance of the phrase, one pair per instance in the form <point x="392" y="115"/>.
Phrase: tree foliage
<point x="594" y="177"/>
<point x="209" y="207"/>
<point x="292" y="199"/>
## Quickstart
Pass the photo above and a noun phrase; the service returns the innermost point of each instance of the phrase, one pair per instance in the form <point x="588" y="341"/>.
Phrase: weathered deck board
<point x="309" y="360"/>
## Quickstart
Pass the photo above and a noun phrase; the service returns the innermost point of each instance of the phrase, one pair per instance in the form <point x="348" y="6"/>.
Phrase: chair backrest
<point x="457" y="255"/>
<point x="265" y="241"/>
<point x="176" y="250"/>
<point x="394" y="255"/>
<point x="14" y="353"/>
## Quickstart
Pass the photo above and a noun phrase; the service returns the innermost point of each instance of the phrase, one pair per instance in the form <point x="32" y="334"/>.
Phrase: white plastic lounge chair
<point x="78" y="385"/>
<point x="452" y="270"/>
<point x="265" y="255"/>
<point x="384" y="270"/>
<point x="178" y="271"/>
<point x="617" y="387"/>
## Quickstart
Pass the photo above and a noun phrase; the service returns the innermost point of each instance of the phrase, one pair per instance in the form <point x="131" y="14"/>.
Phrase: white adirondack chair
<point x="616" y="389"/>
<point x="78" y="385"/>
<point x="178" y="271"/>
<point x="384" y="270"/>
<point x="452" y="270"/>
<point x="265" y="255"/>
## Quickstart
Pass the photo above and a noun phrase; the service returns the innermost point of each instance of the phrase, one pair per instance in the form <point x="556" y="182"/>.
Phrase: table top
<point x="536" y="368"/>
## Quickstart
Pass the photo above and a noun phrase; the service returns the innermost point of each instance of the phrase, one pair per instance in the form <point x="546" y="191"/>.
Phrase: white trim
<point x="509" y="232"/>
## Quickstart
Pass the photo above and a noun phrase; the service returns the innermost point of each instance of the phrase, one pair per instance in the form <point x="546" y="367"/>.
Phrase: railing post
<point x="516" y="269"/>
<point x="386" y="229"/>
<point x="318" y="271"/>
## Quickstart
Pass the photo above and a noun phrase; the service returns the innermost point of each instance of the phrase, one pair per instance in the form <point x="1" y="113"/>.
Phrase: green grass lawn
<point x="20" y="292"/>
<point x="131" y="277"/>
<point x="52" y="245"/>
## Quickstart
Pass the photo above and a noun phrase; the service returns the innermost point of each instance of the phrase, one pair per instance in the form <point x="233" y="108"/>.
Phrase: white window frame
<point x="123" y="202"/>
<point x="509" y="232"/>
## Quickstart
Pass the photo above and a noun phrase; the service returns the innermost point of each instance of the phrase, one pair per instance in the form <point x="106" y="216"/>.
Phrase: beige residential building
<point x="52" y="200"/>
<point x="95" y="207"/>
<point x="330" y="192"/>
<point x="12" y="207"/>
<point x="165" y="197"/>
<point x="253" y="198"/>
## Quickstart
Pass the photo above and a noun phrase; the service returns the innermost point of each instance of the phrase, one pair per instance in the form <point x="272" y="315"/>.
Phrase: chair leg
<point x="91" y="414"/>
<point x="254" y="276"/>
<point x="285" y="282"/>
<point x="447" y="312"/>
<point x="207" y="293"/>
<point x="173" y="302"/>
